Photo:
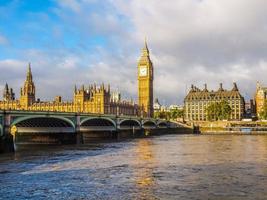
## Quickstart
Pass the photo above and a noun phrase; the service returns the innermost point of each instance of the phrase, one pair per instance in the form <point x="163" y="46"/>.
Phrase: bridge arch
<point x="43" y="121"/>
<point x="149" y="123"/>
<point x="162" y="124"/>
<point x="43" y="129"/>
<point x="97" y="121"/>
<point x="97" y="124"/>
<point x="129" y="124"/>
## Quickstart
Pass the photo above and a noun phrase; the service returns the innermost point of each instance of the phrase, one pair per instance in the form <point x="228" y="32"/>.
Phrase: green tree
<point x="212" y="111"/>
<point x="162" y="115"/>
<point x="218" y="111"/>
<point x="225" y="110"/>
<point x="176" y="113"/>
<point x="156" y="114"/>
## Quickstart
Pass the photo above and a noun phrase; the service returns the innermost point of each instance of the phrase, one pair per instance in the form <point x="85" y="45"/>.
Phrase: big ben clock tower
<point x="145" y="83"/>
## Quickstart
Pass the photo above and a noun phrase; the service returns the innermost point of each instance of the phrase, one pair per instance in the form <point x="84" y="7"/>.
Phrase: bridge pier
<point x="129" y="133"/>
<point x="6" y="139"/>
<point x="7" y="144"/>
<point x="91" y="136"/>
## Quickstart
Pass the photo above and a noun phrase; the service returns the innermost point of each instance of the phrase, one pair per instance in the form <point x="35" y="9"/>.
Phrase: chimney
<point x="205" y="87"/>
<point x="221" y="87"/>
<point x="235" y="88"/>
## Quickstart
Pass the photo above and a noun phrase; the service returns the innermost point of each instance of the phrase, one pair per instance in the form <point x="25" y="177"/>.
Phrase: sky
<point x="79" y="42"/>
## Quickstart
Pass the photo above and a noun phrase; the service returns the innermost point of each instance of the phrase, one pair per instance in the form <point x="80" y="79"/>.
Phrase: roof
<point x="198" y="94"/>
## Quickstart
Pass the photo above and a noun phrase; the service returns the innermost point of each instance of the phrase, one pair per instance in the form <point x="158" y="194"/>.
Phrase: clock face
<point x="143" y="71"/>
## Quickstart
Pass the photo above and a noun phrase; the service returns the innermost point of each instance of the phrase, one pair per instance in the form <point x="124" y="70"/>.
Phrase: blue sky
<point x="72" y="42"/>
<point x="38" y="24"/>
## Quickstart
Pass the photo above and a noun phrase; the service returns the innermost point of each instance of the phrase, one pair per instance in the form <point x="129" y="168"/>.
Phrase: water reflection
<point x="145" y="163"/>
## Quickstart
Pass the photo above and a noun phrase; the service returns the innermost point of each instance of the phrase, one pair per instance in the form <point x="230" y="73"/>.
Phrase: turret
<point x="29" y="73"/>
<point x="258" y="86"/>
<point x="8" y="94"/>
<point x="12" y="94"/>
<point x="75" y="89"/>
<point x="27" y="92"/>
<point x="145" y="50"/>
<point x="108" y="88"/>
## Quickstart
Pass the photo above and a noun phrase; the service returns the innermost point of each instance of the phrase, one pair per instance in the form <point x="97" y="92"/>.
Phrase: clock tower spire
<point x="145" y="83"/>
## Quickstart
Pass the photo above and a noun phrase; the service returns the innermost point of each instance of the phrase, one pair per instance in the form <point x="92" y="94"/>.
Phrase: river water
<point x="163" y="167"/>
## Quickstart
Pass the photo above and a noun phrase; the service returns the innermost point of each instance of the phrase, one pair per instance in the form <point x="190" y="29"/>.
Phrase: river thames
<point x="163" y="167"/>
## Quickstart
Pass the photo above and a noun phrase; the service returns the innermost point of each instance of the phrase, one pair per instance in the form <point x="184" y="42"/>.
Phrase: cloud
<point x="191" y="42"/>
<point x="202" y="41"/>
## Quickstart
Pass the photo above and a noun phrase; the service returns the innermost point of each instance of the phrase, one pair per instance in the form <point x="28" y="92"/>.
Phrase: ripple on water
<point x="165" y="167"/>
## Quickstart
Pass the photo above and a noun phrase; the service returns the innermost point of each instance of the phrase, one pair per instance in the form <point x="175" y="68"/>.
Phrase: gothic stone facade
<point x="145" y="83"/>
<point x="198" y="100"/>
<point x="92" y="99"/>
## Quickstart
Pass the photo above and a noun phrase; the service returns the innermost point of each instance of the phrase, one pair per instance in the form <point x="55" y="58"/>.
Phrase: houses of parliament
<point x="91" y="99"/>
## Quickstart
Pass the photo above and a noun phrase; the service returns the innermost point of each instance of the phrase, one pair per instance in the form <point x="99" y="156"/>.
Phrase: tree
<point x="225" y="110"/>
<point x="162" y="115"/>
<point x="176" y="113"/>
<point x="211" y="111"/>
<point x="172" y="114"/>
<point x="218" y="111"/>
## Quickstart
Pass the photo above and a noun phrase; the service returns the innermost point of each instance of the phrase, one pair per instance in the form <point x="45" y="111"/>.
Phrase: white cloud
<point x="202" y="41"/>
<point x="191" y="41"/>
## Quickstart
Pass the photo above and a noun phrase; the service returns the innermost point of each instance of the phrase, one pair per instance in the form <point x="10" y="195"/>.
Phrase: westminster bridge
<point x="62" y="127"/>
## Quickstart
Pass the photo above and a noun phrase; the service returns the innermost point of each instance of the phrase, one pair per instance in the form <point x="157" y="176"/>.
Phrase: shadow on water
<point x="49" y="153"/>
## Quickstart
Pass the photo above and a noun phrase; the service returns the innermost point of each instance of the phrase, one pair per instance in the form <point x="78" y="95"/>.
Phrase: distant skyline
<point x="79" y="42"/>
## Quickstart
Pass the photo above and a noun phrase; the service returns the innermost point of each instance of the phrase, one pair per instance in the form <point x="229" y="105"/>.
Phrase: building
<point x="250" y="109"/>
<point x="198" y="100"/>
<point x="260" y="98"/>
<point x="116" y="96"/>
<point x="176" y="107"/>
<point x="92" y="99"/>
<point x="145" y="83"/>
<point x="8" y="94"/>
<point x="157" y="106"/>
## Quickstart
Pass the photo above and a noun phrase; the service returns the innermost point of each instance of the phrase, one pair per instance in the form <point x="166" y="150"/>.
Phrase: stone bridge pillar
<point x="79" y="136"/>
<point x="6" y="140"/>
<point x="117" y="120"/>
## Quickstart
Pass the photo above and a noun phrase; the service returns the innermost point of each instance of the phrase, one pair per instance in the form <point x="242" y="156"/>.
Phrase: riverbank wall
<point x="231" y="127"/>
